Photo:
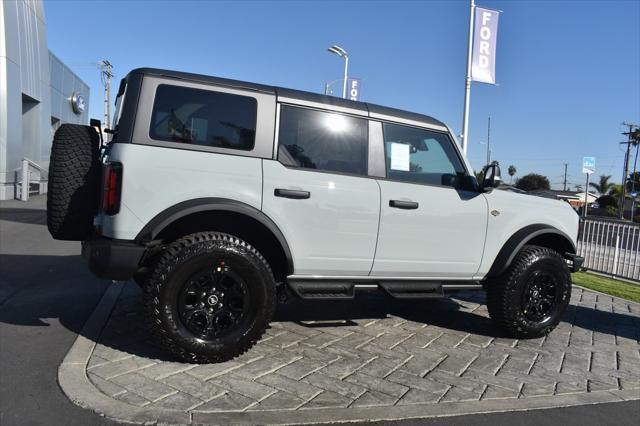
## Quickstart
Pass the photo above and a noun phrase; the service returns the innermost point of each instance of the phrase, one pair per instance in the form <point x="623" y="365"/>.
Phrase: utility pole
<point x="106" y="72"/>
<point x="633" y="182"/>
<point x="564" y="184"/>
<point x="630" y="141"/>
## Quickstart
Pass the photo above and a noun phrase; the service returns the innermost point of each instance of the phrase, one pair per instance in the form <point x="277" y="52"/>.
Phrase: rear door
<point x="428" y="227"/>
<point x="318" y="192"/>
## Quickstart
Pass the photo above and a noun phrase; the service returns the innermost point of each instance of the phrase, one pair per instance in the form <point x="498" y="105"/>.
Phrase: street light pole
<point x="346" y="70"/>
<point x="342" y="53"/>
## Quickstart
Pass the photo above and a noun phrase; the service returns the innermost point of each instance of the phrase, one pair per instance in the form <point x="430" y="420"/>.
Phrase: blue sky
<point x="568" y="71"/>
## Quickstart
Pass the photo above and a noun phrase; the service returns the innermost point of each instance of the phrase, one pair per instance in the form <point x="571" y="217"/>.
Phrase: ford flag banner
<point x="485" y="34"/>
<point x="353" y="89"/>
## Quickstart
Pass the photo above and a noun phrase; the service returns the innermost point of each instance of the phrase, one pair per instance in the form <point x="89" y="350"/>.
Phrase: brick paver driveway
<point x="376" y="352"/>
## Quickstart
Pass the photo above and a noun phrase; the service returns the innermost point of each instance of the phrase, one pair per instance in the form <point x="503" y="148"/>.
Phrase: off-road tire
<point x="183" y="259"/>
<point x="74" y="182"/>
<point x="505" y="293"/>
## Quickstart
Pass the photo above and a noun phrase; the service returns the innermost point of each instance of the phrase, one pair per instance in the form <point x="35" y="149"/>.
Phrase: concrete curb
<point x="604" y="294"/>
<point x="73" y="380"/>
<point x="78" y="388"/>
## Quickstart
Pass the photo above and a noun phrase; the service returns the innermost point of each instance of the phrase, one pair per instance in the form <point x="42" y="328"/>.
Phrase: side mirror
<point x="491" y="176"/>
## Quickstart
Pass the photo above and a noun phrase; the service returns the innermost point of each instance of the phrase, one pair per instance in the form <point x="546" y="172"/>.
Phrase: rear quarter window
<point x="203" y="117"/>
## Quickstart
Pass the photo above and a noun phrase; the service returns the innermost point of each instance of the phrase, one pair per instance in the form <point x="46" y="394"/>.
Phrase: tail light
<point x="111" y="187"/>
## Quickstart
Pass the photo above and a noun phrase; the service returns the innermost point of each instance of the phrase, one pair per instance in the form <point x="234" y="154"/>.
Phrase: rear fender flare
<point x="165" y="218"/>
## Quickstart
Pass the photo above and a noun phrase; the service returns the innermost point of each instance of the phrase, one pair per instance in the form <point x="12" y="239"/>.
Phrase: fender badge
<point x="495" y="212"/>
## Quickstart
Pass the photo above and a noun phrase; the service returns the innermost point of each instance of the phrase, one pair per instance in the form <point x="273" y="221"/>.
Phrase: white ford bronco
<point x="222" y="197"/>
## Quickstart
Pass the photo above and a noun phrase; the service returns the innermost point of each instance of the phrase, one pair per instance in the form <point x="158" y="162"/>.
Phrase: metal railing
<point x="24" y="179"/>
<point x="610" y="247"/>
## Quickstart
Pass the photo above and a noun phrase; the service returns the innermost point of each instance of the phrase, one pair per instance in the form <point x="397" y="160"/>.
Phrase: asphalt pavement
<point x="47" y="293"/>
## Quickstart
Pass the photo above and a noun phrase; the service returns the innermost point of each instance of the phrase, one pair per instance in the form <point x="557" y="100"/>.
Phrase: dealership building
<point x="37" y="94"/>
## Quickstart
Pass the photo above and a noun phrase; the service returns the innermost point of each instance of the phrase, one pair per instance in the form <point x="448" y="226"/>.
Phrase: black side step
<point x="323" y="289"/>
<point x="413" y="290"/>
<point x="336" y="289"/>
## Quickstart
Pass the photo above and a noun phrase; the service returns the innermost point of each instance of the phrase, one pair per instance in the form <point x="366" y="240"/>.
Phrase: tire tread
<point x="169" y="260"/>
<point x="74" y="178"/>
<point x="500" y="291"/>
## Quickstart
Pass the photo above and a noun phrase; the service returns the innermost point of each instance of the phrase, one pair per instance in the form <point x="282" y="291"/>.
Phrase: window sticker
<point x="400" y="156"/>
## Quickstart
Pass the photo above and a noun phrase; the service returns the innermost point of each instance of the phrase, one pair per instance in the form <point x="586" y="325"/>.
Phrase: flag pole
<point x="467" y="83"/>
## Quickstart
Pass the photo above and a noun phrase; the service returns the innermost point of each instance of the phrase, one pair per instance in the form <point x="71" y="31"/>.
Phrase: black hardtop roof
<point x="291" y="93"/>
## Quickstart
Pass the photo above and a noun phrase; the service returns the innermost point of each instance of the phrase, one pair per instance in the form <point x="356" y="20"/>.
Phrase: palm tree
<point x="615" y="190"/>
<point x="512" y="171"/>
<point x="604" y="187"/>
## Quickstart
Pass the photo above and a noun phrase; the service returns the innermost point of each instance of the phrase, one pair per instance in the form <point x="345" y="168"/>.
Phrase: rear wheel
<point x="74" y="182"/>
<point x="210" y="297"/>
<point x="529" y="299"/>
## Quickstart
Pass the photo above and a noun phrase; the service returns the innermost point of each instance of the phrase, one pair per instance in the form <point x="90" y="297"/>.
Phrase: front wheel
<point x="530" y="297"/>
<point x="210" y="297"/>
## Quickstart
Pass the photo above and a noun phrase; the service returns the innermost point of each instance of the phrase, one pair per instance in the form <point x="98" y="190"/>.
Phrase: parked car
<point x="218" y="197"/>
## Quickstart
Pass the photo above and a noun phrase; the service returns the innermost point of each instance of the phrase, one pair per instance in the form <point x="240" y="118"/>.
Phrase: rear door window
<point x="203" y="117"/>
<point x="320" y="140"/>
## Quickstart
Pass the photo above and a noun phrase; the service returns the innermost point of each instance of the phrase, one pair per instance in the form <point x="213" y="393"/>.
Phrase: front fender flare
<point x="518" y="240"/>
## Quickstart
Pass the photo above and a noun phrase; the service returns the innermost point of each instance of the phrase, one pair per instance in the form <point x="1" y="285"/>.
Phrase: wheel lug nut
<point x="201" y="304"/>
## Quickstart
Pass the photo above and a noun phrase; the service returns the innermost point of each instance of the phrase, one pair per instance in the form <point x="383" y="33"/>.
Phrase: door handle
<point x="402" y="204"/>
<point x="292" y="193"/>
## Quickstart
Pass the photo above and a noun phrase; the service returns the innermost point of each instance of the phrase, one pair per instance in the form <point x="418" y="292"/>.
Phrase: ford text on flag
<point x="353" y="89"/>
<point x="485" y="34"/>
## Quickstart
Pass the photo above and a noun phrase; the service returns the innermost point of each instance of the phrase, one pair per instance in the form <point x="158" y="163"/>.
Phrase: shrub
<point x="612" y="211"/>
<point x="533" y="182"/>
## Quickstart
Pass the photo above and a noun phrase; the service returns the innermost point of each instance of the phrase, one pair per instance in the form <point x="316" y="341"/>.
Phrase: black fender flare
<point x="518" y="240"/>
<point x="185" y="208"/>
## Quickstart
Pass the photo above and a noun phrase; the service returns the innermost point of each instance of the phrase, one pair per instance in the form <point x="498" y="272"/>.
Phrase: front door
<point x="318" y="194"/>
<point x="428" y="228"/>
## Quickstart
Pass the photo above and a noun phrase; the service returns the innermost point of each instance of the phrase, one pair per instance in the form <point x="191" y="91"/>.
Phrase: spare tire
<point x="74" y="182"/>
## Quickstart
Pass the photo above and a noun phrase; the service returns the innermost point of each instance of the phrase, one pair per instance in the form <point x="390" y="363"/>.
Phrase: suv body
<point x="336" y="195"/>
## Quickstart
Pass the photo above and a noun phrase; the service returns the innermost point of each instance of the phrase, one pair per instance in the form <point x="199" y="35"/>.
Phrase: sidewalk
<point x="368" y="359"/>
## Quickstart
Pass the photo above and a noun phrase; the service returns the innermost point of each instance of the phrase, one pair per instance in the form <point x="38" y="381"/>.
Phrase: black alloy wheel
<point x="530" y="297"/>
<point x="213" y="302"/>
<point x="541" y="297"/>
<point x="209" y="298"/>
